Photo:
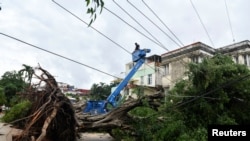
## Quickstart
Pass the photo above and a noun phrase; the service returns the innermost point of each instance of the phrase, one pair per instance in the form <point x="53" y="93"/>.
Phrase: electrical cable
<point x="153" y="23"/>
<point x="97" y="31"/>
<point x="229" y="20"/>
<point x="91" y="26"/>
<point x="160" y="44"/>
<point x="204" y="93"/>
<point x="131" y="26"/>
<point x="56" y="54"/>
<point x="215" y="89"/>
<point x="201" y="22"/>
<point x="183" y="62"/>
<point x="82" y="20"/>
<point x="152" y="11"/>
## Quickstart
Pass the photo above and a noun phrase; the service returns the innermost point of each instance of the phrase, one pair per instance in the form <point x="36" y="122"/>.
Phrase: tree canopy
<point x="101" y="91"/>
<point x="221" y="92"/>
<point x="13" y="82"/>
<point x="216" y="92"/>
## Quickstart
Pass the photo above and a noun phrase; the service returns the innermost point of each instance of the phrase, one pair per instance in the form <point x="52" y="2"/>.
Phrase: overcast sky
<point x="46" y="25"/>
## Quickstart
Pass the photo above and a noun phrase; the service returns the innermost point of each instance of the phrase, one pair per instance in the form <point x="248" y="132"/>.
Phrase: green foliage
<point x="223" y="100"/>
<point x="18" y="111"/>
<point x="27" y="73"/>
<point x="157" y="125"/>
<point x="13" y="82"/>
<point x="139" y="91"/>
<point x="198" y="134"/>
<point x="210" y="96"/>
<point x="76" y="96"/>
<point x="142" y="112"/>
<point x="215" y="71"/>
<point x="2" y="97"/>
<point x="92" y="6"/>
<point x="101" y="91"/>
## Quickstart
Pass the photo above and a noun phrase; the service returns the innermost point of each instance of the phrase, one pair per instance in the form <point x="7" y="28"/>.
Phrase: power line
<point x="160" y="44"/>
<point x="198" y="96"/>
<point x="183" y="62"/>
<point x="216" y="89"/>
<point x="104" y="34"/>
<point x="152" y="11"/>
<point x="201" y="22"/>
<point x="131" y="26"/>
<point x="96" y="29"/>
<point x="152" y="22"/>
<point x="57" y="54"/>
<point x="137" y="31"/>
<point x="91" y="26"/>
<point x="229" y="20"/>
<point x="205" y="94"/>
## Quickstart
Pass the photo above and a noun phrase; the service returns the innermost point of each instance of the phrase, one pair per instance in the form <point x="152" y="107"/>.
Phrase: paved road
<point x="96" y="137"/>
<point x="6" y="133"/>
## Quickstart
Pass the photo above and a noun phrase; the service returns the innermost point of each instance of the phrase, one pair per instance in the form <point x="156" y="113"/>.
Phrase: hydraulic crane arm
<point x="100" y="106"/>
<point x="139" y="58"/>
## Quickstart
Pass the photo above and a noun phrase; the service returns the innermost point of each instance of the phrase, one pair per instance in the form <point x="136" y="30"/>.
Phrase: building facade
<point x="170" y="67"/>
<point x="148" y="75"/>
<point x="174" y="63"/>
<point x="240" y="52"/>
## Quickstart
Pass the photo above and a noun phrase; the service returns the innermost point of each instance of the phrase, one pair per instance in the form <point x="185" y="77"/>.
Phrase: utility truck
<point x="100" y="106"/>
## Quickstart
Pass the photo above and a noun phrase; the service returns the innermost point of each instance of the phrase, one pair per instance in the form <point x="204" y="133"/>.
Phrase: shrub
<point x="18" y="111"/>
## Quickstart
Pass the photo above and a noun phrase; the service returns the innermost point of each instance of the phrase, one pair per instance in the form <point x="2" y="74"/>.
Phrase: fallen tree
<point x="53" y="117"/>
<point x="118" y="118"/>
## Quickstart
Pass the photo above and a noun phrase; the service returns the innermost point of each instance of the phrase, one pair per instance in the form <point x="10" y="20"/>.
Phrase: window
<point x="149" y="79"/>
<point x="130" y="66"/>
<point x="166" y="69"/>
<point x="142" y="80"/>
<point x="247" y="59"/>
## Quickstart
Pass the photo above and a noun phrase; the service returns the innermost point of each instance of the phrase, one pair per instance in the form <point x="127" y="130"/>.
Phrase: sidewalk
<point x="6" y="132"/>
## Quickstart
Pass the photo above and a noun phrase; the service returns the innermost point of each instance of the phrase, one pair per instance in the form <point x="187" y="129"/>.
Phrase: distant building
<point x="63" y="86"/>
<point x="66" y="88"/>
<point x="82" y="92"/>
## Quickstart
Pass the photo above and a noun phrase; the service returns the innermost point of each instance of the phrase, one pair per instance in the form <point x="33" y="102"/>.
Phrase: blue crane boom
<point x="100" y="106"/>
<point x="139" y="57"/>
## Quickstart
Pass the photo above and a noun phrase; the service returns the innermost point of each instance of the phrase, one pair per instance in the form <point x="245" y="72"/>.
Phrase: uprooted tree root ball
<point x="52" y="115"/>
